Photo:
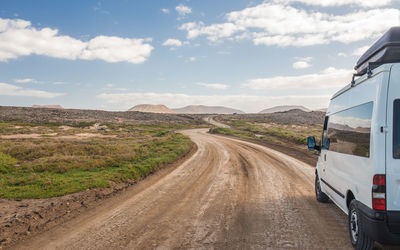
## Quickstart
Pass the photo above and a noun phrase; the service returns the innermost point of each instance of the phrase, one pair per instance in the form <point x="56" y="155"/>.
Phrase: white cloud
<point x="306" y="59"/>
<point x="116" y="49"/>
<point x="59" y="83"/>
<point x="12" y="90"/>
<point x="172" y="42"/>
<point x="213" y="85"/>
<point x="25" y="80"/>
<point x="191" y="59"/>
<point x="247" y="103"/>
<point x="328" y="3"/>
<point x="213" y="32"/>
<point x="302" y="63"/>
<point x="19" y="38"/>
<point x="115" y="89"/>
<point x="285" y="41"/>
<point x="327" y="79"/>
<point x="166" y="11"/>
<point x="360" y="51"/>
<point x="283" y="25"/>
<point x="183" y="10"/>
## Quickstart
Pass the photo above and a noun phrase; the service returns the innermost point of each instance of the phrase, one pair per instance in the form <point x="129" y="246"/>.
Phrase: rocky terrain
<point x="75" y="116"/>
<point x="47" y="106"/>
<point x="291" y="117"/>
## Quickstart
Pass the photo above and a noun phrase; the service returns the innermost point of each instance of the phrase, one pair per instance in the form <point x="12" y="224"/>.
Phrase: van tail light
<point x="379" y="192"/>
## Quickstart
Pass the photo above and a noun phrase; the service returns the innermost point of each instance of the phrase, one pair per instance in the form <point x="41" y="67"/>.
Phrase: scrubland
<point x="284" y="127"/>
<point x="51" y="159"/>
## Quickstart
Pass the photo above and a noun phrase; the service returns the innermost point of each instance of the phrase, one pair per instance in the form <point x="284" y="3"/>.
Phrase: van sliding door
<point x="393" y="141"/>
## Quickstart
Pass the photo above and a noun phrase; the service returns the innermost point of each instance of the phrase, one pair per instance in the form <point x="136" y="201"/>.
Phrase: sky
<point x="245" y="54"/>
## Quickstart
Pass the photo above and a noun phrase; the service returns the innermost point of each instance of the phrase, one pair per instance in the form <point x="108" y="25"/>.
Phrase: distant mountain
<point x="201" y="109"/>
<point x="283" y="109"/>
<point x="349" y="128"/>
<point x="47" y="106"/>
<point x="150" y="108"/>
<point x="322" y="110"/>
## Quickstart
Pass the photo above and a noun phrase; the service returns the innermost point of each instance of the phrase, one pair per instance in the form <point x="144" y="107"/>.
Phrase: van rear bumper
<point x="382" y="226"/>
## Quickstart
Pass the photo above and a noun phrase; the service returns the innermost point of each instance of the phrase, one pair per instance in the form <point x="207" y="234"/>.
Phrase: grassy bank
<point x="47" y="160"/>
<point x="234" y="132"/>
<point x="266" y="130"/>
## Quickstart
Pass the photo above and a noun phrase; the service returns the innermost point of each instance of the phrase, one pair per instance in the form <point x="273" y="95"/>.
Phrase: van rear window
<point x="349" y="131"/>
<point x="396" y="129"/>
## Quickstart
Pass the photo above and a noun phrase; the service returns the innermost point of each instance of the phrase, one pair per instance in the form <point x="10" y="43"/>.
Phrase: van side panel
<point x="392" y="164"/>
<point x="346" y="172"/>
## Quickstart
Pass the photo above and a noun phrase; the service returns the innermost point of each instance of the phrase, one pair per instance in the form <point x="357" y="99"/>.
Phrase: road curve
<point x="210" y="119"/>
<point x="229" y="195"/>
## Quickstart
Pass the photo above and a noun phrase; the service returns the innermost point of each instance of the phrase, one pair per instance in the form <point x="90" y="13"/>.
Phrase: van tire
<point x="321" y="196"/>
<point x="359" y="239"/>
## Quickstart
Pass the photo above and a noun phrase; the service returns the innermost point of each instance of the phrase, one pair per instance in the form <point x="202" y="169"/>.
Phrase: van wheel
<point x="359" y="239"/>
<point x="321" y="196"/>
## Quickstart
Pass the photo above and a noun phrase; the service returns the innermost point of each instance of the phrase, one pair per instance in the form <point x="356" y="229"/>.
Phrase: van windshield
<point x="396" y="129"/>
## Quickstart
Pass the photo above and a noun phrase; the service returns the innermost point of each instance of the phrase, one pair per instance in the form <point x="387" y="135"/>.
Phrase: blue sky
<point x="243" y="54"/>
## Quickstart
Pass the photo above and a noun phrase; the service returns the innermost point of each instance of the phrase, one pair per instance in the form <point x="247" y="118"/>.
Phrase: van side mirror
<point x="327" y="143"/>
<point x="311" y="143"/>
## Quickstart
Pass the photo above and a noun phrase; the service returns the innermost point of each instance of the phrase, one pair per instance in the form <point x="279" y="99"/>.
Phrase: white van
<point x="359" y="162"/>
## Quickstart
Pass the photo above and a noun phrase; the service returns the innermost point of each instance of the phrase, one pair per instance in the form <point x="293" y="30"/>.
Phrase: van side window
<point x="349" y="131"/>
<point x="396" y="129"/>
<point x="325" y="141"/>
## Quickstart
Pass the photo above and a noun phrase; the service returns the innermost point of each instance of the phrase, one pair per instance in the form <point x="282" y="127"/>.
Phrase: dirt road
<point x="210" y="119"/>
<point x="230" y="194"/>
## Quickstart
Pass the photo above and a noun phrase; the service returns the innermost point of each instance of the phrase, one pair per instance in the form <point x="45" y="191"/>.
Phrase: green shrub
<point x="7" y="163"/>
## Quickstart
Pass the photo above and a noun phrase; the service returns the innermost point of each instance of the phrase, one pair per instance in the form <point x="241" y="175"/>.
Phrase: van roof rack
<point x="385" y="50"/>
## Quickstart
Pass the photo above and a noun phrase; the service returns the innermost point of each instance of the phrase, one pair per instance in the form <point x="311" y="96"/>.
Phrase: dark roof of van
<point x="388" y="45"/>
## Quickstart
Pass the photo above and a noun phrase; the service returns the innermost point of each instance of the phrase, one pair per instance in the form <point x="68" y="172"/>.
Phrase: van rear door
<point x="393" y="141"/>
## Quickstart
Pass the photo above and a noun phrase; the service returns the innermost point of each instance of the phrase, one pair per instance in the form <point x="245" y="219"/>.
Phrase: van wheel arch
<point x="319" y="194"/>
<point x="349" y="197"/>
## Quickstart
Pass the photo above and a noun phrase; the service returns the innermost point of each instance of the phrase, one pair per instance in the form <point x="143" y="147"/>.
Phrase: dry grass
<point x="266" y="130"/>
<point x="57" y="162"/>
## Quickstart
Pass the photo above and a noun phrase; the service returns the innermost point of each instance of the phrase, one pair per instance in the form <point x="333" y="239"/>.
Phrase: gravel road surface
<point x="229" y="195"/>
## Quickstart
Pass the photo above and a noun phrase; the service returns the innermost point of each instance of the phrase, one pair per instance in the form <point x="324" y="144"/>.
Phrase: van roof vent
<point x="385" y="50"/>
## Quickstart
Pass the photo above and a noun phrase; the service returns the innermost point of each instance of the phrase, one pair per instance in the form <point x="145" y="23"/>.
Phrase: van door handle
<point x="324" y="157"/>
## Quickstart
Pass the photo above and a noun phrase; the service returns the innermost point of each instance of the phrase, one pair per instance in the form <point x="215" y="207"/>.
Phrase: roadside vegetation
<point x="268" y="130"/>
<point x="51" y="159"/>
